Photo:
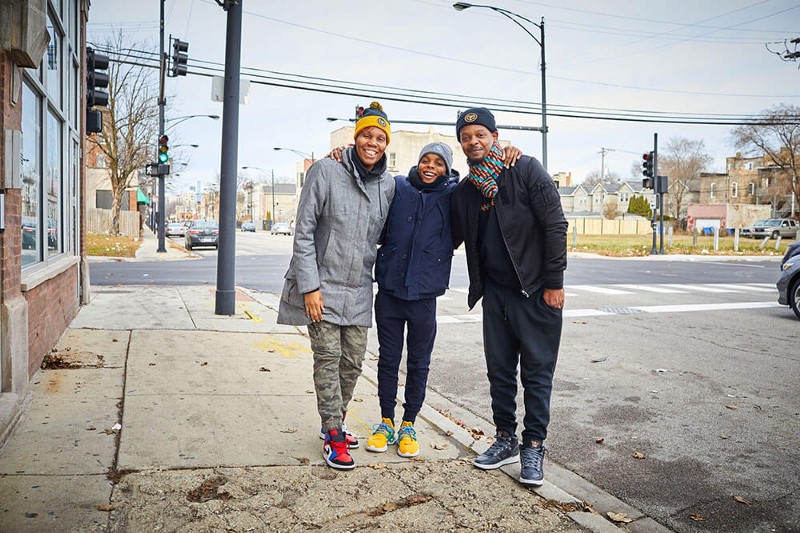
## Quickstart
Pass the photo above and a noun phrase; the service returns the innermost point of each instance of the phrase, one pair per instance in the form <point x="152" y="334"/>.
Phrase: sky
<point x="701" y="59"/>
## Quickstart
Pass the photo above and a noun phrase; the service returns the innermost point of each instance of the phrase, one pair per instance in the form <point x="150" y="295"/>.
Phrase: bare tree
<point x="593" y="178"/>
<point x="682" y="160"/>
<point x="779" y="142"/>
<point x="611" y="210"/>
<point x="130" y="123"/>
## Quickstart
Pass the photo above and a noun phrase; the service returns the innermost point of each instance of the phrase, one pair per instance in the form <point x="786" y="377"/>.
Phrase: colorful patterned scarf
<point x="484" y="174"/>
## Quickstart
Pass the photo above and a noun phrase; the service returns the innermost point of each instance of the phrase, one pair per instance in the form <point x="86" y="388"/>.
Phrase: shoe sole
<point x="531" y="482"/>
<point x="337" y="466"/>
<point x="508" y="461"/>
<point x="401" y="454"/>
<point x="377" y="450"/>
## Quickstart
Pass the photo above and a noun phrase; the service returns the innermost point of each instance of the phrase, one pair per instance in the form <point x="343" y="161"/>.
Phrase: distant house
<point x="574" y="199"/>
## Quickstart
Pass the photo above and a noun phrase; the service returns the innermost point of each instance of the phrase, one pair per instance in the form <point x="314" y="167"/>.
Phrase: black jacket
<point x="532" y="223"/>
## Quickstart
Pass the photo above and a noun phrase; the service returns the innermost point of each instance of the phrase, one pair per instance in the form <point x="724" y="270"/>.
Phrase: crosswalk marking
<point x="598" y="289"/>
<point x="700" y="288"/>
<point x="652" y="288"/>
<point x="742" y="287"/>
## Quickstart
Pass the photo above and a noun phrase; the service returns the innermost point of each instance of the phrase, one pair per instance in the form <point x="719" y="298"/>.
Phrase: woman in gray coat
<point x="328" y="287"/>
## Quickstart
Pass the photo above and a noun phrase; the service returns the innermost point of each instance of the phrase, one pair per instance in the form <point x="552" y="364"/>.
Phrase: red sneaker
<point x="335" y="451"/>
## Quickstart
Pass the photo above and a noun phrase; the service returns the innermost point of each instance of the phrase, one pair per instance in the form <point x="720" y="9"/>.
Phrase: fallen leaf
<point x="264" y="369"/>
<point x="91" y="428"/>
<point x="742" y="500"/>
<point x="151" y="364"/>
<point x="697" y="517"/>
<point x="114" y="340"/>
<point x="598" y="360"/>
<point x="204" y="363"/>
<point x="439" y="445"/>
<point x="619" y="517"/>
<point x="357" y="400"/>
<point x="638" y="455"/>
<point x="449" y="433"/>
<point x="723" y="437"/>
<point x="289" y="430"/>
<point x="105" y="507"/>
<point x="732" y="407"/>
<point x="309" y="391"/>
<point x="378" y="466"/>
<point x="600" y="440"/>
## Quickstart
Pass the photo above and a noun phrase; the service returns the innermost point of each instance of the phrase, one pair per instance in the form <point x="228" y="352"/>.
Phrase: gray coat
<point x="339" y="219"/>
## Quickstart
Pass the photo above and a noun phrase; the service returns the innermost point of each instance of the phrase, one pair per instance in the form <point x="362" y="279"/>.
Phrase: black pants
<point x="522" y="332"/>
<point x="391" y="316"/>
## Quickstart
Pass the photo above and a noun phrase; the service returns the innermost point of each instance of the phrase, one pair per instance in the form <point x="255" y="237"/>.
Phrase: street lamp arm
<point x="515" y="21"/>
<point x="178" y="120"/>
<point x="298" y="152"/>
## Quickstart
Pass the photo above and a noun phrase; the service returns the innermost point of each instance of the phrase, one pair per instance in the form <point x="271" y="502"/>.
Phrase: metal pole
<point x="544" y="103"/>
<point x="272" y="217"/>
<point x="226" y="258"/>
<point x="162" y="190"/>
<point x="654" y="250"/>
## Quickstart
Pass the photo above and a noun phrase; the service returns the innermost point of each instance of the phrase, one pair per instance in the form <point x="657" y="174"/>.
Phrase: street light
<point x="178" y="120"/>
<point x="461" y="6"/>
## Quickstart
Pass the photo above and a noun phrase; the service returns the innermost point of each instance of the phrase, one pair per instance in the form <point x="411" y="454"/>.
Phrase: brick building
<point x="43" y="269"/>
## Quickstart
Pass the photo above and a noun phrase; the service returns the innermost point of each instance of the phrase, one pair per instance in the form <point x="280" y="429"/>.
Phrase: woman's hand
<point x="314" y="305"/>
<point x="510" y="156"/>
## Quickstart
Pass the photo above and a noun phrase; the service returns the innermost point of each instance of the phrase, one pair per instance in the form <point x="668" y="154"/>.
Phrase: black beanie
<point x="476" y="115"/>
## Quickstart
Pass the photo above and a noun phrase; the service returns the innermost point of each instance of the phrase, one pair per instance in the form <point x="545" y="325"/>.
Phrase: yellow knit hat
<point x="374" y="116"/>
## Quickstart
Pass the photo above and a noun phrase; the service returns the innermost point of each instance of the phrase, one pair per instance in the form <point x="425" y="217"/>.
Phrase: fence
<point x="601" y="226"/>
<point x="99" y="221"/>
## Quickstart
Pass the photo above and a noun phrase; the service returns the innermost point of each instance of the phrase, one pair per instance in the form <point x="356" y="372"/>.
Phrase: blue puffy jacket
<point x="414" y="260"/>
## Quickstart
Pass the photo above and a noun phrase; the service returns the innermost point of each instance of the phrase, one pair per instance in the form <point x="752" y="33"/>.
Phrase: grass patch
<point x="640" y="245"/>
<point x="99" y="244"/>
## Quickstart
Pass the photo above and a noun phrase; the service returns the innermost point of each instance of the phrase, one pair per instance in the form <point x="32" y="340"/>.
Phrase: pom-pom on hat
<point x="440" y="149"/>
<point x="476" y="115"/>
<point x="374" y="116"/>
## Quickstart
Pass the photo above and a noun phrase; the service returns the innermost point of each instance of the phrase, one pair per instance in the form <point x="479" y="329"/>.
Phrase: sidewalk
<point x="157" y="414"/>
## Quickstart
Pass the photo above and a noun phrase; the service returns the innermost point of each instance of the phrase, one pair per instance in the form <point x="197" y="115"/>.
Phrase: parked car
<point x="202" y="233"/>
<point x="176" y="229"/>
<point x="773" y="228"/>
<point x="248" y="226"/>
<point x="789" y="280"/>
<point x="281" y="228"/>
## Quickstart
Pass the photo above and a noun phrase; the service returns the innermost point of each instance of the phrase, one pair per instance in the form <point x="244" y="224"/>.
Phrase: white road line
<point x="700" y="288"/>
<point x="651" y="288"/>
<point x="681" y="308"/>
<point x="599" y="290"/>
<point x="705" y="307"/>
<point x="743" y="287"/>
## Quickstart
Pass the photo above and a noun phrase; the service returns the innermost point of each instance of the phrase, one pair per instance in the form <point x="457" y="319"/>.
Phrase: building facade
<point x="43" y="270"/>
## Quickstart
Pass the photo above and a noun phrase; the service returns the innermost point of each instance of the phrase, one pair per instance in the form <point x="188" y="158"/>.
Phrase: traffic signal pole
<point x="225" y="303"/>
<point x="654" y="173"/>
<point x="162" y="190"/>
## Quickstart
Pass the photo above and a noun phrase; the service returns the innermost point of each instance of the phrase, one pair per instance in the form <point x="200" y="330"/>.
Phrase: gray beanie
<point x="442" y="150"/>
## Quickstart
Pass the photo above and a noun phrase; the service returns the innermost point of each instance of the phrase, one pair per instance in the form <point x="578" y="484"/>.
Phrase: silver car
<point x="789" y="281"/>
<point x="773" y="228"/>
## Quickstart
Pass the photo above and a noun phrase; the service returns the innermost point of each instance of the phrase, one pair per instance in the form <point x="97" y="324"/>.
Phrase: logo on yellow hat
<point x="470" y="117"/>
<point x="382" y="123"/>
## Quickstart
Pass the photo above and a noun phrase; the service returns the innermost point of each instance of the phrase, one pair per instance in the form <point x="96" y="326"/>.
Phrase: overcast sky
<point x="698" y="59"/>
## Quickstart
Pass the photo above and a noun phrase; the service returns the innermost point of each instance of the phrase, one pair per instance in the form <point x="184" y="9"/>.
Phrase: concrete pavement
<point x="153" y="413"/>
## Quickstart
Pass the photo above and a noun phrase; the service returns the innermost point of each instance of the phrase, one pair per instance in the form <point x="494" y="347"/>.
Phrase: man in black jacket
<point x="515" y="236"/>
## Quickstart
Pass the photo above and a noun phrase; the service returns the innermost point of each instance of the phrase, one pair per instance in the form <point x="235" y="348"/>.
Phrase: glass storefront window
<point x="54" y="179"/>
<point x="31" y="174"/>
<point x="53" y="64"/>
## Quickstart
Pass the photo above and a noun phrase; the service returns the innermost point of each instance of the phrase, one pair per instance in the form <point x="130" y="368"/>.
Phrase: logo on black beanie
<point x="470" y="117"/>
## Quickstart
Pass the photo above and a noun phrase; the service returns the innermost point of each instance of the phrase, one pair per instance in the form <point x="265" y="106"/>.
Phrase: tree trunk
<point x="116" y="203"/>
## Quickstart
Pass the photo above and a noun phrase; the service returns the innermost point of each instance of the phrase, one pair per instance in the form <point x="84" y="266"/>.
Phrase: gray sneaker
<point x="503" y="451"/>
<point x="532" y="459"/>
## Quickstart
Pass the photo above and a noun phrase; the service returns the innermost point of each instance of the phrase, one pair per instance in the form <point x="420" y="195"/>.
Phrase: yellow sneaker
<point x="382" y="435"/>
<point x="407" y="440"/>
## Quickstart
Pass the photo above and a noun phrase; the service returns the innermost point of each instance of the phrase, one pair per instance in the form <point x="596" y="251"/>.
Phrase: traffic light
<point x="648" y="163"/>
<point x="359" y="111"/>
<point x="163" y="149"/>
<point x="647" y="183"/>
<point x="95" y="80"/>
<point x="179" y="58"/>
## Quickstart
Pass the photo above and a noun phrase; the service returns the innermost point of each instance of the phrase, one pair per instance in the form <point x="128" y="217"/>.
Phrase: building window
<point x="713" y="190"/>
<point x="752" y="189"/>
<point x="749" y="165"/>
<point x="735" y="189"/>
<point x="392" y="160"/>
<point x="31" y="173"/>
<point x="302" y="176"/>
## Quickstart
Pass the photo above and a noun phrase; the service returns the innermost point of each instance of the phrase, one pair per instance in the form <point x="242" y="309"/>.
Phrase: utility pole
<point x="603" y="162"/>
<point x="162" y="189"/>
<point x="226" y="258"/>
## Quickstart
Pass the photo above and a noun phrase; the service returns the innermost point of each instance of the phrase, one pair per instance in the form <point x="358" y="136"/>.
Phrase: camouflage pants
<point x="338" y="355"/>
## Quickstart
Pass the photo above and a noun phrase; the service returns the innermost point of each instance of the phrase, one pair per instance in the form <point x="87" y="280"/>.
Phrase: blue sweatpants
<point x="392" y="316"/>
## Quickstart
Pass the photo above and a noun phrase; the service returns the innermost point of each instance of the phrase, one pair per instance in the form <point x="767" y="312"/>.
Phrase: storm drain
<point x="621" y="310"/>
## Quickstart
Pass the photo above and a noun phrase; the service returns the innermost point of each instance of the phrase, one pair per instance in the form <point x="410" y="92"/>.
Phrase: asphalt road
<point x="675" y="389"/>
